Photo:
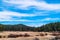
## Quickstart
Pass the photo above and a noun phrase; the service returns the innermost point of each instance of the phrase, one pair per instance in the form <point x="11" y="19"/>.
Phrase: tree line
<point x="50" y="27"/>
<point x="20" y="27"/>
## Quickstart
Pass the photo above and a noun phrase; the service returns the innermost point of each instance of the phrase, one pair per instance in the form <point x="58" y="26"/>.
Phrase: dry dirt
<point x="33" y="35"/>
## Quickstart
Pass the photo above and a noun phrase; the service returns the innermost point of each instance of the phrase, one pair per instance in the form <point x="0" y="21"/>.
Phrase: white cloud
<point x="40" y="22"/>
<point x="8" y="15"/>
<point x="50" y="19"/>
<point x="25" y="4"/>
<point x="42" y="5"/>
<point x="21" y="20"/>
<point x="46" y="19"/>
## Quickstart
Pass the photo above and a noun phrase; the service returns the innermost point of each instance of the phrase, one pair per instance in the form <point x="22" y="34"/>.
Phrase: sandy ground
<point x="32" y="37"/>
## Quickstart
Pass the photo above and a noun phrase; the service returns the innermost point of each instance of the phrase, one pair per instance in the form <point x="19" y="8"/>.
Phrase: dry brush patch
<point x="28" y="35"/>
<point x="55" y="34"/>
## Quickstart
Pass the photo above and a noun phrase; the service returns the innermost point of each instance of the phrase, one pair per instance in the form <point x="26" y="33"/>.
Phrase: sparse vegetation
<point x="21" y="35"/>
<point x="36" y="39"/>
<point x="26" y="35"/>
<point x="41" y="34"/>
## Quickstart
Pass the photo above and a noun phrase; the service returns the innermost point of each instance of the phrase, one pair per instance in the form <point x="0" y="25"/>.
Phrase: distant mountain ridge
<point x="20" y="27"/>
<point x="17" y="27"/>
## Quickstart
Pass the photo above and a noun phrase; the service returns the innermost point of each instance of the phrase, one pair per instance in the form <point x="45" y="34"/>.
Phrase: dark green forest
<point x="50" y="27"/>
<point x="20" y="27"/>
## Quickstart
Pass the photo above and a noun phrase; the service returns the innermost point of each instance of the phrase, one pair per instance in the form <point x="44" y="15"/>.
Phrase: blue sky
<point x="29" y="12"/>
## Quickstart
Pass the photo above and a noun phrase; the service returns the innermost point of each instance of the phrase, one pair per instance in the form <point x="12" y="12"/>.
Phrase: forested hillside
<point x="50" y="27"/>
<point x="20" y="27"/>
<point x="17" y="27"/>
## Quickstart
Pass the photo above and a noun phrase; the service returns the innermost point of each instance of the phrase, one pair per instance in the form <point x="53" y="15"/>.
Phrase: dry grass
<point x="16" y="35"/>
